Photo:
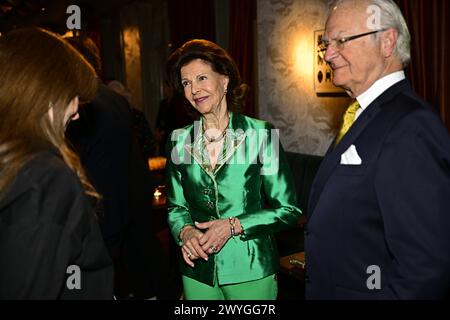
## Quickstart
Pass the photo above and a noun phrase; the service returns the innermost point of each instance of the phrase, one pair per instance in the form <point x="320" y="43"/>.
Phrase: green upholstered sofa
<point x="304" y="168"/>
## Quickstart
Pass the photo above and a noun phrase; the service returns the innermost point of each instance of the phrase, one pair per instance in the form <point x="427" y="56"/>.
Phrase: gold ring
<point x="189" y="254"/>
<point x="213" y="248"/>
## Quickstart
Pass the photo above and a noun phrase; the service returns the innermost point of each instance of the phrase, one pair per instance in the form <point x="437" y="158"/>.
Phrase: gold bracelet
<point x="232" y="221"/>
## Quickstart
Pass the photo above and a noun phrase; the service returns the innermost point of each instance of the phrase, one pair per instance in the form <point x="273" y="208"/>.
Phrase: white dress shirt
<point x="380" y="86"/>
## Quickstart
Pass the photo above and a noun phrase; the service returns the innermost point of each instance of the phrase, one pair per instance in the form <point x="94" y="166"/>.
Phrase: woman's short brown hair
<point x="219" y="60"/>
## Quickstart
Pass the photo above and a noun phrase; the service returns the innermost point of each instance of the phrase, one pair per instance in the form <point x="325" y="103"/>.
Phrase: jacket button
<point x="210" y="204"/>
<point x="206" y="192"/>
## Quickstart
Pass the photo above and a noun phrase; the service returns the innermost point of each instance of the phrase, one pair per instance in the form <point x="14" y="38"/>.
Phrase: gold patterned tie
<point x="349" y="118"/>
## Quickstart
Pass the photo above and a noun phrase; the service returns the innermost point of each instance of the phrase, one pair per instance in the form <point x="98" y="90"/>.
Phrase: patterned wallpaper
<point x="286" y="98"/>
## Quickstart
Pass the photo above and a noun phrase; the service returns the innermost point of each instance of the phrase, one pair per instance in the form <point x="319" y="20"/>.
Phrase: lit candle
<point x="157" y="193"/>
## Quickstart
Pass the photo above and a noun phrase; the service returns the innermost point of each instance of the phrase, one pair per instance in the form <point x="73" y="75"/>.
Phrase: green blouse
<point x="251" y="181"/>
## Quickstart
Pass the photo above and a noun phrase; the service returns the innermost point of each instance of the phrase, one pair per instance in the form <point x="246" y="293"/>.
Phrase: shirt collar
<point x="380" y="86"/>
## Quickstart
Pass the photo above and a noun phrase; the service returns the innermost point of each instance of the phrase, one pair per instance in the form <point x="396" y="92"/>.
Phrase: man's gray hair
<point x="391" y="17"/>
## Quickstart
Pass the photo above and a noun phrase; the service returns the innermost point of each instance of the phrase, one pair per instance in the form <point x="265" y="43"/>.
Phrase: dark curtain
<point x="429" y="71"/>
<point x="188" y="19"/>
<point x="242" y="46"/>
<point x="191" y="19"/>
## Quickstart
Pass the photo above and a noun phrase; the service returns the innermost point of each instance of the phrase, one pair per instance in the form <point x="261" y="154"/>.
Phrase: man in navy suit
<point x="379" y="224"/>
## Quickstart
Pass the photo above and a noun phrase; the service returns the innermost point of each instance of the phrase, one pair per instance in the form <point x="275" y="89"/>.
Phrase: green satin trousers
<point x="261" y="289"/>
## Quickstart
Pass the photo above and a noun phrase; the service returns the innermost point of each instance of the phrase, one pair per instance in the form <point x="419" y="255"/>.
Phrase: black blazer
<point x="46" y="225"/>
<point x="392" y="211"/>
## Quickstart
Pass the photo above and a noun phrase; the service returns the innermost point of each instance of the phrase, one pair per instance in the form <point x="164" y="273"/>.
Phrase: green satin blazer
<point x="251" y="181"/>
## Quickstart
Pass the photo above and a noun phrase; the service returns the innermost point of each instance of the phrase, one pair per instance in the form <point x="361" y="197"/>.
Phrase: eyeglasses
<point x="339" y="43"/>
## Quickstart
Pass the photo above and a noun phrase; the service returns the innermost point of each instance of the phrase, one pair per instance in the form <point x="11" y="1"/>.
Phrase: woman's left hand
<point x="216" y="236"/>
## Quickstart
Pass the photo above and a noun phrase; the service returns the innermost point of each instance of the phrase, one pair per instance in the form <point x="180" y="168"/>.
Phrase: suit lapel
<point x="333" y="156"/>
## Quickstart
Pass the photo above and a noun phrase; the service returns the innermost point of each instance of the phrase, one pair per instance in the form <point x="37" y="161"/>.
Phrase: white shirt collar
<point x="380" y="86"/>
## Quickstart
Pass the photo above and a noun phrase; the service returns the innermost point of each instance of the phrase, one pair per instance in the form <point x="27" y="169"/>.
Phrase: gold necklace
<point x="216" y="139"/>
<point x="219" y="137"/>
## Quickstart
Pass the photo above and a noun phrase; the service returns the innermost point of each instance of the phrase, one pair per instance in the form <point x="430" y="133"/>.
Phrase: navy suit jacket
<point x="392" y="211"/>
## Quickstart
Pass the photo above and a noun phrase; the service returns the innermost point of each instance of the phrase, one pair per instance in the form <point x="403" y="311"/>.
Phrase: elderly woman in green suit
<point x="229" y="188"/>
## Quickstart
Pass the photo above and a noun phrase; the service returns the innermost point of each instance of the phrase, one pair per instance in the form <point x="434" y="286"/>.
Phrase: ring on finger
<point x="213" y="248"/>
<point x="189" y="254"/>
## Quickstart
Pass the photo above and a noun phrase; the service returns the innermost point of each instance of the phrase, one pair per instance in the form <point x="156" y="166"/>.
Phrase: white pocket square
<point x="351" y="157"/>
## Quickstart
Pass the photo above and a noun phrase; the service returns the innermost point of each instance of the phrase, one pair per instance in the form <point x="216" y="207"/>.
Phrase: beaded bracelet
<point x="232" y="221"/>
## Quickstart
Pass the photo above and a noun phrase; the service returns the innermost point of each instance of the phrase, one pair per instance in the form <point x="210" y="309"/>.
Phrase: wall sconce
<point x="303" y="58"/>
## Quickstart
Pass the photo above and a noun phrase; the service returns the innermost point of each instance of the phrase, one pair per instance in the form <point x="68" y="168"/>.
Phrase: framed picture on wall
<point x="323" y="74"/>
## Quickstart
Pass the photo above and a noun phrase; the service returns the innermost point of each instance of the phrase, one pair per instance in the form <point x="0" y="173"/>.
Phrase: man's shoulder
<point x="109" y="104"/>
<point x="412" y="106"/>
<point x="414" y="117"/>
<point x="402" y="97"/>
<point x="401" y="102"/>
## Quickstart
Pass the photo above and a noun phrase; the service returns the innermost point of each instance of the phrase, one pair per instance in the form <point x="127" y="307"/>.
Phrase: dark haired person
<point x="102" y="139"/>
<point x="50" y="243"/>
<point x="216" y="178"/>
<point x="109" y="148"/>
